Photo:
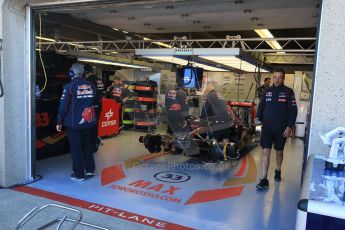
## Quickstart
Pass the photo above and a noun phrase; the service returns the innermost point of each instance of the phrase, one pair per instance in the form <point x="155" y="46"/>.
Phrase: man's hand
<point x="287" y="132"/>
<point x="59" y="128"/>
<point x="125" y="99"/>
<point x="257" y="122"/>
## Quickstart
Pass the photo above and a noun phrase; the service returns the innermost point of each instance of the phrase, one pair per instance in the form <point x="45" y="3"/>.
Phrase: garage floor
<point x="174" y="191"/>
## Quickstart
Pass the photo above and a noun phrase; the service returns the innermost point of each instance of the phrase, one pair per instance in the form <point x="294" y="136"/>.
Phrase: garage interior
<point x="132" y="39"/>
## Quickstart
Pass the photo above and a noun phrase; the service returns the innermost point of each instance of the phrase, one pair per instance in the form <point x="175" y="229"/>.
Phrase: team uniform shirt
<point x="119" y="92"/>
<point x="215" y="111"/>
<point x="77" y="105"/>
<point x="277" y="107"/>
<point x="182" y="98"/>
<point x="174" y="113"/>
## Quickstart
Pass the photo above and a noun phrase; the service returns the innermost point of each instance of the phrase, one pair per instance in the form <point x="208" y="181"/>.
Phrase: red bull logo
<point x="175" y="107"/>
<point x="88" y="115"/>
<point x="84" y="89"/>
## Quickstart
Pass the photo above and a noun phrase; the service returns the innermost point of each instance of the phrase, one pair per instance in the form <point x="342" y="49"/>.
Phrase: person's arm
<point x="63" y="107"/>
<point x="204" y="112"/>
<point x="261" y="107"/>
<point x="127" y="93"/>
<point x="292" y="106"/>
<point x="110" y="88"/>
<point x="292" y="111"/>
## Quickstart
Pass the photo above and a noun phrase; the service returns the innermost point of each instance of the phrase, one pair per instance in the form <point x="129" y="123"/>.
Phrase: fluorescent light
<point x="208" y="68"/>
<point x="225" y="57"/>
<point x="180" y="61"/>
<point x="82" y="46"/>
<point x="159" y="43"/>
<point x="123" y="31"/>
<point x="233" y="62"/>
<point x="45" y="39"/>
<point x="265" y="33"/>
<point x="73" y="44"/>
<point x="115" y="29"/>
<point x="106" y="62"/>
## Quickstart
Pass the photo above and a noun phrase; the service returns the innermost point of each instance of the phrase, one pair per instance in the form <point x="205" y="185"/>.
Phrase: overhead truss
<point x="294" y="45"/>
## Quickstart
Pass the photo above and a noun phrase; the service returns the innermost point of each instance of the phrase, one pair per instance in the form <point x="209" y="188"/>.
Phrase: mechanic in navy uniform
<point x="77" y="113"/>
<point x="181" y="96"/>
<point x="277" y="112"/>
<point x="121" y="93"/>
<point x="91" y="76"/>
<point x="175" y="116"/>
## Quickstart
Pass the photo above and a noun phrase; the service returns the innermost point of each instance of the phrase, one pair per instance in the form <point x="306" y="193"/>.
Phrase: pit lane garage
<point x="154" y="46"/>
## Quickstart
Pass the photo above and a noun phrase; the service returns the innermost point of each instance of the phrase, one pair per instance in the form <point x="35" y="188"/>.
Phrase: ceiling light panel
<point x="265" y="33"/>
<point x="104" y="62"/>
<point x="180" y="61"/>
<point x="45" y="39"/>
<point x="233" y="62"/>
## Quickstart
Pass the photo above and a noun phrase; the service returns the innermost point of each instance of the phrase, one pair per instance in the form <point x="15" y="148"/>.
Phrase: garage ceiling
<point x="205" y="15"/>
<point x="195" y="19"/>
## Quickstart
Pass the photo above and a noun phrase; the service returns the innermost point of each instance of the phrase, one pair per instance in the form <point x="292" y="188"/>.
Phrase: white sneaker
<point x="90" y="173"/>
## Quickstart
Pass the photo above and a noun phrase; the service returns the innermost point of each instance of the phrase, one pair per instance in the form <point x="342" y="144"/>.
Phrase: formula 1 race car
<point x="240" y="136"/>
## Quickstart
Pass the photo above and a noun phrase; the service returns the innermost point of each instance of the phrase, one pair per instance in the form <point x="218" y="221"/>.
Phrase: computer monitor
<point x="189" y="77"/>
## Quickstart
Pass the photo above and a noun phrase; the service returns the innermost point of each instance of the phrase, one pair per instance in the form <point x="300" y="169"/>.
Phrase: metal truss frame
<point x="254" y="45"/>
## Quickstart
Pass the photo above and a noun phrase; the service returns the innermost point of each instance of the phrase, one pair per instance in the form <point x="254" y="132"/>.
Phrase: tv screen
<point x="189" y="77"/>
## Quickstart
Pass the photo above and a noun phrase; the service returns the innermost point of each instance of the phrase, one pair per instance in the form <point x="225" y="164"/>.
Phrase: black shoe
<point x="263" y="184"/>
<point x="75" y="178"/>
<point x="277" y="175"/>
<point x="209" y="161"/>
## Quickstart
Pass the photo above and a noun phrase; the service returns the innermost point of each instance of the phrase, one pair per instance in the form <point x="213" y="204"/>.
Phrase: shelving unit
<point x="128" y="112"/>
<point x="145" y="113"/>
<point x="140" y="113"/>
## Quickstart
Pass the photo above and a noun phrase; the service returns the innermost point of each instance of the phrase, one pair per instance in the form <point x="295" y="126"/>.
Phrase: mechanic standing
<point x="91" y="76"/>
<point x="77" y="113"/>
<point x="175" y="117"/>
<point x="120" y="92"/>
<point x="277" y="112"/>
<point x="181" y="97"/>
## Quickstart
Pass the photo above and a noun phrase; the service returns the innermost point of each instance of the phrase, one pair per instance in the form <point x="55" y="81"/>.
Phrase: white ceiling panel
<point x="217" y="15"/>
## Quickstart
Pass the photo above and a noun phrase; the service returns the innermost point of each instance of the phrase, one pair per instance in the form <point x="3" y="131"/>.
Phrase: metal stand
<point x="31" y="214"/>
